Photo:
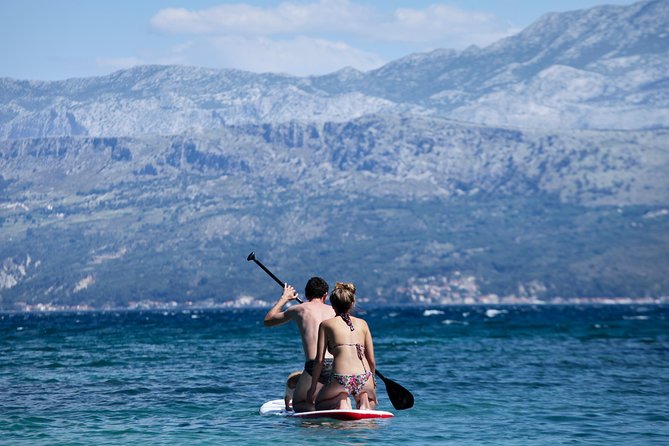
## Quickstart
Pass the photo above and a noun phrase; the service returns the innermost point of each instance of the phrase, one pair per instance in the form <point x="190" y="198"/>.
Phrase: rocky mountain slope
<point x="151" y="185"/>
<point x="606" y="67"/>
<point x="399" y="205"/>
<point x="603" y="68"/>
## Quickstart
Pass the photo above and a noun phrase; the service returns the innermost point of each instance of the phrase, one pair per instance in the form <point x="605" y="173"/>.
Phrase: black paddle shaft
<point x="252" y="256"/>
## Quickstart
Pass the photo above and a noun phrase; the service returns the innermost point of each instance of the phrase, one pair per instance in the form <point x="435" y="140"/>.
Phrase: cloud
<point x="443" y="23"/>
<point x="320" y="36"/>
<point x="297" y="56"/>
<point x="286" y="18"/>
<point x="434" y="23"/>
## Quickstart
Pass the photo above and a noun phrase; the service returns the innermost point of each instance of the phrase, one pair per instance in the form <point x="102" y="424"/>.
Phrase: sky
<point x="60" y="39"/>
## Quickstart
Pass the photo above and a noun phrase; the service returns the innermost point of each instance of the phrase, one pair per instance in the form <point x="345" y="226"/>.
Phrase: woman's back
<point x="346" y="345"/>
<point x="350" y="342"/>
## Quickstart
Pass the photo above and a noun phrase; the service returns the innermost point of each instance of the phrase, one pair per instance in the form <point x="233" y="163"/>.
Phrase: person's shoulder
<point x="317" y="307"/>
<point x="294" y="310"/>
<point x="329" y="322"/>
<point x="328" y="312"/>
<point x="361" y="322"/>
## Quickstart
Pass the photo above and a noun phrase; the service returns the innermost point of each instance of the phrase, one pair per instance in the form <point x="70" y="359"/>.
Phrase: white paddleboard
<point x="275" y="407"/>
<point x="278" y="407"/>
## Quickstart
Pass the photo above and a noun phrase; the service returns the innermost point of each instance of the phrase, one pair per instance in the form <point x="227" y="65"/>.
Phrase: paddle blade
<point x="399" y="397"/>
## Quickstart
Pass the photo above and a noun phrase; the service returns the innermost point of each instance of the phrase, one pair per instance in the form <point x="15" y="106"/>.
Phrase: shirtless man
<point x="308" y="317"/>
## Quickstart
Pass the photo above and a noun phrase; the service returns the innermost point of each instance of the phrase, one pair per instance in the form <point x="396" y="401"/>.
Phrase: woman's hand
<point x="311" y="398"/>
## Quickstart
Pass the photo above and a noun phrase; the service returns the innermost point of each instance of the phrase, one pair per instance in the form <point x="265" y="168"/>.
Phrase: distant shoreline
<point x="233" y="305"/>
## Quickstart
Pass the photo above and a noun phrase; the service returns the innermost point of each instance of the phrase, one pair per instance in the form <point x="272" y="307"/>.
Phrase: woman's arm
<point x="318" y="364"/>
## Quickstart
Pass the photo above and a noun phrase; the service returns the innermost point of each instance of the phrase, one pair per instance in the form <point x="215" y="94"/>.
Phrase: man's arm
<point x="277" y="317"/>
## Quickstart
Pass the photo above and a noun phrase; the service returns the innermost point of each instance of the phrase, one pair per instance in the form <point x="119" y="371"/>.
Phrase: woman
<point x="349" y="340"/>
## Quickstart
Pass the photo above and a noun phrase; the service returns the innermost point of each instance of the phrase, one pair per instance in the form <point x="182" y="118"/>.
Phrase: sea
<point x="480" y="375"/>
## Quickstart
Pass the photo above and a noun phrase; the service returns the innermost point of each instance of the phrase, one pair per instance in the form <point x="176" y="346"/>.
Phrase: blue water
<point x="514" y="375"/>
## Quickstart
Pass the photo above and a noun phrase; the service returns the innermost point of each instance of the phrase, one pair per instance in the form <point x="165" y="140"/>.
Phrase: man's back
<point x="308" y="317"/>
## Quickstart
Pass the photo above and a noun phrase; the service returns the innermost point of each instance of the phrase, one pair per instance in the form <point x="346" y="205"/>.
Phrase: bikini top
<point x="359" y="347"/>
<point x="347" y="318"/>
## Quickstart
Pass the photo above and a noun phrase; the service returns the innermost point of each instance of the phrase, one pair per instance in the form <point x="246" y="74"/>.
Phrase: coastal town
<point x="455" y="289"/>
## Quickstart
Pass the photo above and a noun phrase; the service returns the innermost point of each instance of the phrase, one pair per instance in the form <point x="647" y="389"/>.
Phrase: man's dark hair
<point x="315" y="288"/>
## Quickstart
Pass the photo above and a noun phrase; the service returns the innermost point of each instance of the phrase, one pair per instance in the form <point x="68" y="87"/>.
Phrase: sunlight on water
<point x="513" y="375"/>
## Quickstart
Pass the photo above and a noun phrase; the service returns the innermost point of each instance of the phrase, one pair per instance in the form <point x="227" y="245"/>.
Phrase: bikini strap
<point x="347" y="318"/>
<point x="361" y="352"/>
<point x="360" y="349"/>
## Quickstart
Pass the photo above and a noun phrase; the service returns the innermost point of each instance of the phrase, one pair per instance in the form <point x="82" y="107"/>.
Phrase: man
<point x="308" y="316"/>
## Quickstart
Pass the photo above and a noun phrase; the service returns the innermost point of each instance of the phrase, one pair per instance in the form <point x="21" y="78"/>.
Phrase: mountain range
<point x="603" y="68"/>
<point x="531" y="169"/>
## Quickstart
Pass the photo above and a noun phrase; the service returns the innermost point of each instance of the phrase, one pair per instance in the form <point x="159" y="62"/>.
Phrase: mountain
<point x="405" y="207"/>
<point x="530" y="170"/>
<point x="606" y="67"/>
<point x="602" y="68"/>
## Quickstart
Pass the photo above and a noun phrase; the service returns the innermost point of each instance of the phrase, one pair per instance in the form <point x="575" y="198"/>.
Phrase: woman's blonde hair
<point x="342" y="297"/>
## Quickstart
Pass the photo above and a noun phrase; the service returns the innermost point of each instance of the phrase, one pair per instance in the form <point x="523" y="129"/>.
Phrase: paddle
<point x="400" y="397"/>
<point x="252" y="256"/>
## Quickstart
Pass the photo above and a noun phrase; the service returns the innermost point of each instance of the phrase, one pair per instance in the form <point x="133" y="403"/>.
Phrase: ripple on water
<point x="528" y="376"/>
<point x="214" y="390"/>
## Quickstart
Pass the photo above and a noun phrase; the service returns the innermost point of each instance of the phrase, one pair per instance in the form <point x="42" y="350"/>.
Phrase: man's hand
<point x="289" y="293"/>
<point x="275" y="316"/>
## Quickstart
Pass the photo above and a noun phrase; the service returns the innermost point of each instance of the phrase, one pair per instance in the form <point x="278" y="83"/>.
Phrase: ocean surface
<point x="480" y="375"/>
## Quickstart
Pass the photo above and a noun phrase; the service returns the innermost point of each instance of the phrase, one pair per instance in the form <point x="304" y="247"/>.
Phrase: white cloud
<point x="445" y="24"/>
<point x="286" y="18"/>
<point x="298" y="56"/>
<point x="320" y="36"/>
<point x="437" y="22"/>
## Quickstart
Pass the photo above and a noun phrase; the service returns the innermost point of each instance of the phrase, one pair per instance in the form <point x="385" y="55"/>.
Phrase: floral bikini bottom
<point x="352" y="383"/>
